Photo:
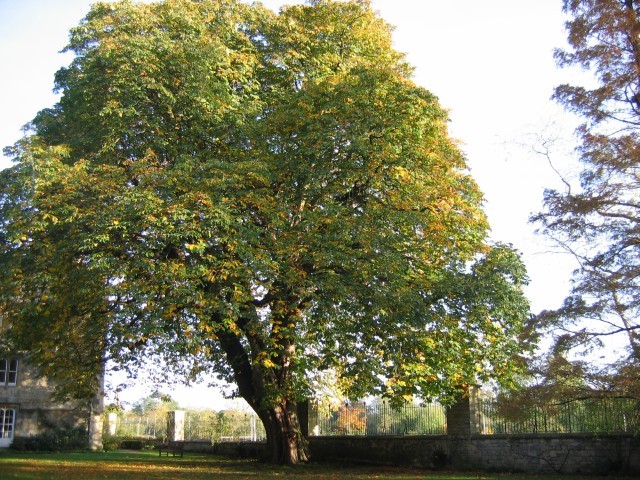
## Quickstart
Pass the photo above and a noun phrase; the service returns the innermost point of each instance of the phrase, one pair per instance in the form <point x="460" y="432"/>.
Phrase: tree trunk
<point x="286" y="445"/>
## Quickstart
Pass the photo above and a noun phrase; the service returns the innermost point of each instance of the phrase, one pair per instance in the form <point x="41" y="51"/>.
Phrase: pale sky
<point x="489" y="62"/>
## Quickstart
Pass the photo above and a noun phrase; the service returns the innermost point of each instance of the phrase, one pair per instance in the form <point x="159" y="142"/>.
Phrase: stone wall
<point x="175" y="425"/>
<point x="464" y="448"/>
<point x="420" y="451"/>
<point x="31" y="392"/>
<point x="536" y="454"/>
<point x="36" y="410"/>
<point x="575" y="454"/>
<point x="236" y="449"/>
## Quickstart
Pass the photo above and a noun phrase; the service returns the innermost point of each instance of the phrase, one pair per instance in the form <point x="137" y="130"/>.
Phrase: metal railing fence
<point x="141" y="426"/>
<point x="610" y="415"/>
<point x="604" y="415"/>
<point x="198" y="425"/>
<point x="379" y="418"/>
<point x="223" y="426"/>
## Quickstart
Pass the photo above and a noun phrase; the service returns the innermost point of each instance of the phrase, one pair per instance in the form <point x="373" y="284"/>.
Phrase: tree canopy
<point x="257" y="196"/>
<point x="598" y="221"/>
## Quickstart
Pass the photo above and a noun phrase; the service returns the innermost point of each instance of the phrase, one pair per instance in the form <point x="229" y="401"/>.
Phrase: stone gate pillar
<point x="463" y="417"/>
<point x="95" y="431"/>
<point x="303" y="417"/>
<point x="313" y="428"/>
<point x="462" y="423"/>
<point x="175" y="426"/>
<point x="95" y="420"/>
<point x="112" y="423"/>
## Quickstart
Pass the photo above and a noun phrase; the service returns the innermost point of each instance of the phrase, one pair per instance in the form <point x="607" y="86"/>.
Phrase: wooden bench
<point x="173" y="447"/>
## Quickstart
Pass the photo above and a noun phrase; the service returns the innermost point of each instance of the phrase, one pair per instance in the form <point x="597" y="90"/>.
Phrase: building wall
<point x="35" y="410"/>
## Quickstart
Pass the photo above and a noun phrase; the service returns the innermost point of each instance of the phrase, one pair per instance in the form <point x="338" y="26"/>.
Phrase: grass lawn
<point x="148" y="466"/>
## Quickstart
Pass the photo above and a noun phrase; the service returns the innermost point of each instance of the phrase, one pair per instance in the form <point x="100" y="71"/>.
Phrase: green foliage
<point x="257" y="196"/>
<point x="112" y="443"/>
<point x="157" y="403"/>
<point x="136" y="444"/>
<point x="231" y="424"/>
<point x="54" y="439"/>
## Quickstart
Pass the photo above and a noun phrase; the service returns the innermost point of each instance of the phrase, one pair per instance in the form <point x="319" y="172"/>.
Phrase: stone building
<point x="27" y="407"/>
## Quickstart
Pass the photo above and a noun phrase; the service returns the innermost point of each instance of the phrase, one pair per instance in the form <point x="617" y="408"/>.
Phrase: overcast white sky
<point x="490" y="63"/>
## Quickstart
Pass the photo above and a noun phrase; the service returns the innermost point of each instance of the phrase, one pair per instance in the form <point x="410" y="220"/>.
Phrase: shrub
<point x="132" y="444"/>
<point x="58" y="439"/>
<point x="115" y="442"/>
<point x="109" y="443"/>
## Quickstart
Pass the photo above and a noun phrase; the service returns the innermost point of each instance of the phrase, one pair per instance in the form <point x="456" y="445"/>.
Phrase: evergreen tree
<point x="598" y="221"/>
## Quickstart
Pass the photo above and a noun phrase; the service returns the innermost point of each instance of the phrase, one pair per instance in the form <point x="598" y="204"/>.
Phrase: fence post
<point x="303" y="417"/>
<point x="95" y="431"/>
<point x="175" y="426"/>
<point x="313" y="418"/>
<point x="463" y="421"/>
<point x="463" y="417"/>
<point x="112" y="422"/>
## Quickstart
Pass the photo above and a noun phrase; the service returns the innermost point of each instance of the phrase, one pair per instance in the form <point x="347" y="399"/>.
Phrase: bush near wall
<point x="58" y="439"/>
<point x="114" y="442"/>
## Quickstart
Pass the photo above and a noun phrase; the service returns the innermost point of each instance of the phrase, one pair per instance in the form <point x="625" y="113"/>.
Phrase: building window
<point x="8" y="371"/>
<point x="7" y="422"/>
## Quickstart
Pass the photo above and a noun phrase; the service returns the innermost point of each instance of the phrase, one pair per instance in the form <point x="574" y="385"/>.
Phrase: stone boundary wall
<point x="238" y="449"/>
<point x="198" y="446"/>
<point x="567" y="454"/>
<point x="578" y="454"/>
<point x="464" y="448"/>
<point x="420" y="451"/>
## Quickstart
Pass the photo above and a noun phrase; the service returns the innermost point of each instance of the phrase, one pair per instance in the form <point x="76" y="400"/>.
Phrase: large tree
<point x="598" y="221"/>
<point x="257" y="196"/>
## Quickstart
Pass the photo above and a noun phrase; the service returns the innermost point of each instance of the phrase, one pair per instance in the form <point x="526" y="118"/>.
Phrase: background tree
<point x="597" y="221"/>
<point x="157" y="402"/>
<point x="259" y="196"/>
<point x="351" y="419"/>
